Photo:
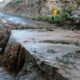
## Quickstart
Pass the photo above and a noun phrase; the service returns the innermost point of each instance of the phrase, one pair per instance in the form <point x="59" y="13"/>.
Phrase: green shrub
<point x="66" y="15"/>
<point x="60" y="17"/>
<point x="55" y="19"/>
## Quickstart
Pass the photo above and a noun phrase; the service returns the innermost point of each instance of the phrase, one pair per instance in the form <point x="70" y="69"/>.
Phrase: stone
<point x="11" y="22"/>
<point x="55" y="54"/>
<point x="13" y="57"/>
<point x="38" y="8"/>
<point x="3" y="3"/>
<point x="4" y="36"/>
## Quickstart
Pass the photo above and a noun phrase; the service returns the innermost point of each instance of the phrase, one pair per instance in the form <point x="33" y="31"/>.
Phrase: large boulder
<point x="13" y="57"/>
<point x="56" y="55"/>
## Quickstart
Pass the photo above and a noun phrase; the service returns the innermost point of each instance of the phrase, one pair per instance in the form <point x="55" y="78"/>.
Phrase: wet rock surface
<point x="7" y="23"/>
<point x="13" y="61"/>
<point x="57" y="56"/>
<point x="10" y="22"/>
<point x="17" y="22"/>
<point x="51" y="53"/>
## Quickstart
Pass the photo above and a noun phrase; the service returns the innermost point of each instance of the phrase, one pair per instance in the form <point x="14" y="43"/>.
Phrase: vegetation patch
<point x="55" y="19"/>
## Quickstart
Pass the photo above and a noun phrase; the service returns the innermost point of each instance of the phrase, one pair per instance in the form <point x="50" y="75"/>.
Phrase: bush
<point x="58" y="18"/>
<point x="66" y="15"/>
<point x="55" y="19"/>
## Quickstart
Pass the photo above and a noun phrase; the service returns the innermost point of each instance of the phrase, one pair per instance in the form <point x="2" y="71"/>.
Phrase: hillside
<point x="36" y="8"/>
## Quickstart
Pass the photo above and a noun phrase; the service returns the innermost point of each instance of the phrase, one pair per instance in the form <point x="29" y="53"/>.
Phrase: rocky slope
<point x="36" y="8"/>
<point x="3" y="3"/>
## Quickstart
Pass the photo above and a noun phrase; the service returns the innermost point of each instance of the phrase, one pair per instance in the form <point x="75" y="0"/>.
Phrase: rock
<point x="76" y="18"/>
<point x="4" y="36"/>
<point x="38" y="8"/>
<point x="3" y="3"/>
<point x="31" y="8"/>
<point x="76" y="15"/>
<point x="55" y="54"/>
<point x="13" y="61"/>
<point x="13" y="57"/>
<point x="11" y="22"/>
<point x="30" y="72"/>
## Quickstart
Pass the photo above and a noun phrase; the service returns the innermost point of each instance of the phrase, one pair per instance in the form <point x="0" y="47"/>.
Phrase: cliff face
<point x="36" y="8"/>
